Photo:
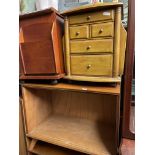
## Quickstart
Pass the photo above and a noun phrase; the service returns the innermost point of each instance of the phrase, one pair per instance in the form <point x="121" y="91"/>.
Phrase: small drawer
<point x="102" y="30"/>
<point x="95" y="65"/>
<point x="79" y="32"/>
<point x="91" y="17"/>
<point x="92" y="46"/>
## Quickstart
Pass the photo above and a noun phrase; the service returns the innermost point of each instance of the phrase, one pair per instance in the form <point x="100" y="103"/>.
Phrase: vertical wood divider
<point x="67" y="57"/>
<point x="117" y="41"/>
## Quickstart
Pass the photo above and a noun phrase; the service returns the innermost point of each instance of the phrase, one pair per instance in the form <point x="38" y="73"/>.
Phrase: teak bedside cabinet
<point x="71" y="119"/>
<point x="95" y="42"/>
<point x="40" y="44"/>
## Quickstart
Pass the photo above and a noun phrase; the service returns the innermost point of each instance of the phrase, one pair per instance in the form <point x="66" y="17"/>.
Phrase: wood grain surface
<point x="78" y="134"/>
<point x="92" y="46"/>
<point x="91" y="17"/>
<point x="78" y="88"/>
<point x="95" y="65"/>
<point x="102" y="30"/>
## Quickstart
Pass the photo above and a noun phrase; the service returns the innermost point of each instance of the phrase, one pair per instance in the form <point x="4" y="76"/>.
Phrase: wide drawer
<point x="92" y="46"/>
<point x="91" y="17"/>
<point x="79" y="32"/>
<point x="94" y="65"/>
<point x="102" y="30"/>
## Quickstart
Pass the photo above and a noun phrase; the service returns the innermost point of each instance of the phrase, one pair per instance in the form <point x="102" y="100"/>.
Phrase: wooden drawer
<point x="91" y="17"/>
<point x="79" y="32"/>
<point x="104" y="45"/>
<point x="95" y="65"/>
<point x="102" y="30"/>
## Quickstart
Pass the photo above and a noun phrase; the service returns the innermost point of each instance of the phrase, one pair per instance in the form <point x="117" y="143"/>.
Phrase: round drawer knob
<point x="77" y="33"/>
<point x="88" y="47"/>
<point x="88" y="66"/>
<point x="88" y="18"/>
<point x="101" y="30"/>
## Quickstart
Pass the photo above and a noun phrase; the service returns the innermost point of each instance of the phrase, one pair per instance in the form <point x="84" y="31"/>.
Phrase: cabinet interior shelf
<point x="82" y="135"/>
<point x="43" y="148"/>
<point x="65" y="116"/>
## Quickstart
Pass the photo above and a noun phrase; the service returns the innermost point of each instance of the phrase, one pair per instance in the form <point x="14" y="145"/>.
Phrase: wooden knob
<point x="77" y="33"/>
<point x="101" y="30"/>
<point x="88" y="47"/>
<point x="88" y="18"/>
<point x="88" y="66"/>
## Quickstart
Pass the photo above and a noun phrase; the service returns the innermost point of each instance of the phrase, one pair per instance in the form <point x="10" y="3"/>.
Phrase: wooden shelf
<point x="42" y="148"/>
<point x="82" y="135"/>
<point x="82" y="88"/>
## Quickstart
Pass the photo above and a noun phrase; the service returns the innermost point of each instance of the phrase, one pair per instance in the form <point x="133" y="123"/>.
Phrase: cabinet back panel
<point x="40" y="103"/>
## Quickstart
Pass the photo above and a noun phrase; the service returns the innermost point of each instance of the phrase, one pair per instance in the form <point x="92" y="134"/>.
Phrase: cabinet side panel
<point x="58" y="45"/>
<point x="37" y="106"/>
<point x="22" y="141"/>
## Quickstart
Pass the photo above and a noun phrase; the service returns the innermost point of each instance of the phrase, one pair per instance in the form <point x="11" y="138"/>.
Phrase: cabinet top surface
<point x="39" y="13"/>
<point x="93" y="7"/>
<point x="100" y="89"/>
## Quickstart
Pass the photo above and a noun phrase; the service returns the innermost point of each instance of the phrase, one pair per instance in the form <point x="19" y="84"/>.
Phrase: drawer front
<point x="95" y="65"/>
<point x="79" y="32"/>
<point x="92" y="46"/>
<point x="102" y="30"/>
<point x="91" y="17"/>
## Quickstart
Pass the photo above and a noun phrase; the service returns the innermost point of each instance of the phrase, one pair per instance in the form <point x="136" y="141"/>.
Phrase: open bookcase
<point x="67" y="119"/>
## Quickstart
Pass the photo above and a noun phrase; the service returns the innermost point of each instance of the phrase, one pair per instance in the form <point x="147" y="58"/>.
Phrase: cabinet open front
<point x="66" y="116"/>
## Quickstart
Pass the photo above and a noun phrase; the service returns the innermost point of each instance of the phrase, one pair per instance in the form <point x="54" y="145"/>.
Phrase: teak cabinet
<point x="69" y="119"/>
<point x="95" y="42"/>
<point x="40" y="45"/>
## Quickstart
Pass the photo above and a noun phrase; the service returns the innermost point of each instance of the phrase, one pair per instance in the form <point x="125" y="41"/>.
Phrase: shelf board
<point x="42" y="148"/>
<point x="78" y="87"/>
<point x="87" y="136"/>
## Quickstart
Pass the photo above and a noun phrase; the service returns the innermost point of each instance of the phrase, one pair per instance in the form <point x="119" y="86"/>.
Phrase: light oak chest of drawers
<point x="95" y="42"/>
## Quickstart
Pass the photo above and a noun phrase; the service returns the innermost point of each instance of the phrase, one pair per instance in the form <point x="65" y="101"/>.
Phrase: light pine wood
<point x="96" y="65"/>
<point x="117" y="41"/>
<point x="32" y="144"/>
<point x="122" y="49"/>
<point x="102" y="30"/>
<point x="78" y="134"/>
<point x="93" y="78"/>
<point x="42" y="148"/>
<point x="67" y="48"/>
<point x="35" y="106"/>
<point x="92" y="46"/>
<point x="91" y="17"/>
<point x="79" y="32"/>
<point x="22" y="140"/>
<point x="78" y="88"/>
<point x="66" y="116"/>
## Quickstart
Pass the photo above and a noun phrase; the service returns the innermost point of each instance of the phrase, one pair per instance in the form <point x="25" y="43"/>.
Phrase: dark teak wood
<point x="40" y="45"/>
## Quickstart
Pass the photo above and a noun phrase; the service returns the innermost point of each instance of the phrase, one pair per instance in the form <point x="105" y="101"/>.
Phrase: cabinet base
<point x="44" y="77"/>
<point x="93" y="79"/>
